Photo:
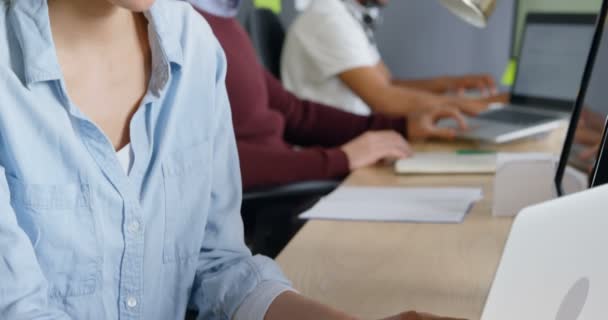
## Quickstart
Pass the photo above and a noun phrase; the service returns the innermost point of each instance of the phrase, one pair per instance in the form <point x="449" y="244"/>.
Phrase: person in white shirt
<point x="330" y="56"/>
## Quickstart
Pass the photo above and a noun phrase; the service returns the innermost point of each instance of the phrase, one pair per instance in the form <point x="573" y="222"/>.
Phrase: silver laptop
<point x="555" y="264"/>
<point x="554" y="51"/>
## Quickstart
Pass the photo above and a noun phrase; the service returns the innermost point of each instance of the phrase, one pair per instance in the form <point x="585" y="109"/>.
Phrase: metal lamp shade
<point x="475" y="12"/>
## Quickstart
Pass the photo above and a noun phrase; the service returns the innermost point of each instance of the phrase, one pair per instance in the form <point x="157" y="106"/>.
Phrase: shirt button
<point x="134" y="226"/>
<point x="131" y="302"/>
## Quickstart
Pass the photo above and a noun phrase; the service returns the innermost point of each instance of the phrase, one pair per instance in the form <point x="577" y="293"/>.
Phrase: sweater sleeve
<point x="263" y="166"/>
<point x="313" y="124"/>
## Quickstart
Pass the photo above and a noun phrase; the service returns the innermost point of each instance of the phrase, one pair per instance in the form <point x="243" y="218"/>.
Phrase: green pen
<point x="465" y="152"/>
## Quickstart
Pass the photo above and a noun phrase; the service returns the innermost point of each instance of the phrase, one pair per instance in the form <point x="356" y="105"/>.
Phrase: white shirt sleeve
<point x="257" y="303"/>
<point x="336" y="42"/>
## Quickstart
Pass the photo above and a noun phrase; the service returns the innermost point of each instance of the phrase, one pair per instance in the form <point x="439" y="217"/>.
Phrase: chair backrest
<point x="300" y="189"/>
<point x="267" y="34"/>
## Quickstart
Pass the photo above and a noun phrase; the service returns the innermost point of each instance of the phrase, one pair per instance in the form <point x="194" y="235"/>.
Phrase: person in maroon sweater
<point x="270" y="122"/>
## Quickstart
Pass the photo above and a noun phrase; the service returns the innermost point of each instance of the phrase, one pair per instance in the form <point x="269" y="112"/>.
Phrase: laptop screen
<point x="586" y="132"/>
<point x="553" y="57"/>
<point x="592" y="118"/>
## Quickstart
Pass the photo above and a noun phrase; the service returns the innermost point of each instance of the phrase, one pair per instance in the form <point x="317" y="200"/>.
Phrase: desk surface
<point x="378" y="269"/>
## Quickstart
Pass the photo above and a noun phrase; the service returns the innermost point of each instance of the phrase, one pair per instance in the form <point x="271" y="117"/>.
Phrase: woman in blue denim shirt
<point x="119" y="177"/>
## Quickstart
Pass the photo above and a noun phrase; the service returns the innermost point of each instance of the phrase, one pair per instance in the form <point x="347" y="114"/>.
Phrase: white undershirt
<point x="256" y="304"/>
<point x="125" y="158"/>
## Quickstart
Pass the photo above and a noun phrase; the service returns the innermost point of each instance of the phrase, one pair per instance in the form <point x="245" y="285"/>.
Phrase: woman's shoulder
<point x="186" y="21"/>
<point x="199" y="47"/>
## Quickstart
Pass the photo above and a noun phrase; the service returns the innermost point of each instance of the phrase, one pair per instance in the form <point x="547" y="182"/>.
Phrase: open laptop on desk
<point x="554" y="264"/>
<point x="553" y="54"/>
<point x="586" y="134"/>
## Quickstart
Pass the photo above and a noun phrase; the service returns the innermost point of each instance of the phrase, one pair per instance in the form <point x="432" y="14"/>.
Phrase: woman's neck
<point x="85" y="22"/>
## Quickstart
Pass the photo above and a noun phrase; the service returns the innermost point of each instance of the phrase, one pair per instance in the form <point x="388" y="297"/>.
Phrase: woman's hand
<point x="423" y="125"/>
<point x="468" y="106"/>
<point x="293" y="306"/>
<point x="373" y="146"/>
<point x="484" y="83"/>
<point x="418" y="316"/>
<point x="501" y="98"/>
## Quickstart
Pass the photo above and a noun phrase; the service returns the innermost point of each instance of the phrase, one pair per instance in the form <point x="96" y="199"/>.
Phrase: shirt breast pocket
<point x="59" y="220"/>
<point x="187" y="183"/>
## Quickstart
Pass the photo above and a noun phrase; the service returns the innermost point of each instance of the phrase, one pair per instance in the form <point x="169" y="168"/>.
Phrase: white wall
<point x="420" y="38"/>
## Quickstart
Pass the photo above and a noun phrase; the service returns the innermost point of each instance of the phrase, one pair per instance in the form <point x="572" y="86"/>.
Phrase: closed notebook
<point x="447" y="163"/>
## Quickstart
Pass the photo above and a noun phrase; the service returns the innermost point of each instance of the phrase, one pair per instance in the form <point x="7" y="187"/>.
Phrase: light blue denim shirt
<point x="79" y="239"/>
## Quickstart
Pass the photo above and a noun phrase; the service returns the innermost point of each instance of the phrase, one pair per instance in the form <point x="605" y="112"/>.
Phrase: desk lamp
<point x="475" y="12"/>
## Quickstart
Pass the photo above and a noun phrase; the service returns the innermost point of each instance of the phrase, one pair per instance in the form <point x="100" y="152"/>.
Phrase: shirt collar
<point x="359" y="10"/>
<point x="32" y="28"/>
<point x="166" y="46"/>
<point x="368" y="18"/>
<point x="168" y="31"/>
<point x="221" y="8"/>
<point x="31" y="21"/>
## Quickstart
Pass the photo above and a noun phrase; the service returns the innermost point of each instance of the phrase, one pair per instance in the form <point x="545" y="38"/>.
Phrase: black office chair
<point x="268" y="35"/>
<point x="271" y="215"/>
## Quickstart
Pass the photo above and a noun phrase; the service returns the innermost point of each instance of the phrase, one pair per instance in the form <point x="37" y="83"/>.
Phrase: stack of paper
<point x="447" y="163"/>
<point x="419" y="205"/>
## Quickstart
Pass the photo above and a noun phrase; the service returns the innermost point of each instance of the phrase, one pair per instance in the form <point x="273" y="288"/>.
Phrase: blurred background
<point x="419" y="38"/>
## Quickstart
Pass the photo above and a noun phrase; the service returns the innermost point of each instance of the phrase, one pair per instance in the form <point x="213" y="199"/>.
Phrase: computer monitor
<point x="553" y="55"/>
<point x="587" y="124"/>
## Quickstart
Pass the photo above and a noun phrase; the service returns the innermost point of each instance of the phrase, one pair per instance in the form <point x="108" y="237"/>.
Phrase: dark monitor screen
<point x="586" y="131"/>
<point x="548" y="68"/>
<point x="553" y="55"/>
<point x="592" y="118"/>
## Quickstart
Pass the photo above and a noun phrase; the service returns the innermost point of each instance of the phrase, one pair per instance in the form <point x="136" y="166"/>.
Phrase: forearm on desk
<point x="383" y="97"/>
<point x="314" y="124"/>
<point x="290" y="305"/>
<point x="436" y="86"/>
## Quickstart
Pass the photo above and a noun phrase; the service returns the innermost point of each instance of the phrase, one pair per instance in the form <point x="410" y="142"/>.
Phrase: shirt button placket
<point x="134" y="227"/>
<point x="131" y="302"/>
<point x="132" y="272"/>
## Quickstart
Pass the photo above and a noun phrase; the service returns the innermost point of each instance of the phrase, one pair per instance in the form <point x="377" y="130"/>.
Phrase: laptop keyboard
<point x="515" y="117"/>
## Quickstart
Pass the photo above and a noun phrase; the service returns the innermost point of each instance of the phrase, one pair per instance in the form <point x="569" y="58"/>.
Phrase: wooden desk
<point x="379" y="269"/>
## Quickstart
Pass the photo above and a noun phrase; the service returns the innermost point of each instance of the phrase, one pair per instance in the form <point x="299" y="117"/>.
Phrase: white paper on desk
<point x="453" y="163"/>
<point x="414" y="205"/>
<point x="447" y="163"/>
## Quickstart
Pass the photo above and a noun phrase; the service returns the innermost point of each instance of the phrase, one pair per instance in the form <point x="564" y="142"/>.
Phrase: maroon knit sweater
<point x="269" y="121"/>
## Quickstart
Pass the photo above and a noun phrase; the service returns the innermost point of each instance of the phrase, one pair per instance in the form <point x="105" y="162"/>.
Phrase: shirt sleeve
<point x="335" y="42"/>
<point x="264" y="166"/>
<point x="257" y="303"/>
<point x="23" y="292"/>
<point x="313" y="124"/>
<point x="227" y="273"/>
